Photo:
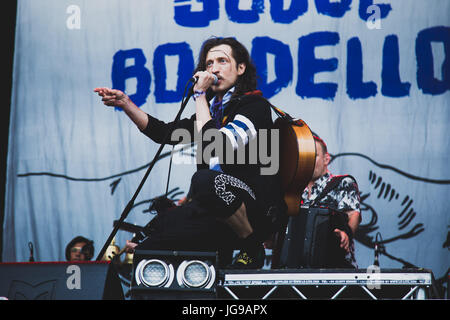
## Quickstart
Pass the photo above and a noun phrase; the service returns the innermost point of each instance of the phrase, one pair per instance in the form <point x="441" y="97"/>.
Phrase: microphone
<point x="377" y="248"/>
<point x="195" y="79"/>
<point x="30" y="246"/>
<point x="88" y="250"/>
<point x="376" y="261"/>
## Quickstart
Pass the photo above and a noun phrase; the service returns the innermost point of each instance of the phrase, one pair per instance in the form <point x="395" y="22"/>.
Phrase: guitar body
<point x="297" y="160"/>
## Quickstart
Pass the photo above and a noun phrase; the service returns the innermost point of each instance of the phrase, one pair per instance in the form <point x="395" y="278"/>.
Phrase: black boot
<point x="251" y="256"/>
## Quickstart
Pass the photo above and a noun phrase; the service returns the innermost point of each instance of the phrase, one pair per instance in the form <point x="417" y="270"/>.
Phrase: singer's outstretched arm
<point x="116" y="98"/>
<point x="148" y="125"/>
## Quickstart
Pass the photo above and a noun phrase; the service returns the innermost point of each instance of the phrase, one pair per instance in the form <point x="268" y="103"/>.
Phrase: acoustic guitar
<point x="297" y="159"/>
<point x="297" y="162"/>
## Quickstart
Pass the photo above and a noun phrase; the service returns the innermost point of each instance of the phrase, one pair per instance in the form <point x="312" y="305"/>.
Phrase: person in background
<point x="344" y="198"/>
<point x="80" y="249"/>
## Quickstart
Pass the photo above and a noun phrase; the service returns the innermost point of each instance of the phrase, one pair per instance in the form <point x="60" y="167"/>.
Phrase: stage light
<point x="154" y="273"/>
<point x="196" y="274"/>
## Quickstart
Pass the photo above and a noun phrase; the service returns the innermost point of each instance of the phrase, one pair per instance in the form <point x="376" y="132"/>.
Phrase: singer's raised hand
<point x="112" y="97"/>
<point x="204" y="80"/>
<point x="117" y="98"/>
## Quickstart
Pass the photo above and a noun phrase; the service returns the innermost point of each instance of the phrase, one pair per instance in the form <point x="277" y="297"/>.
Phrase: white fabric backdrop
<point x="73" y="164"/>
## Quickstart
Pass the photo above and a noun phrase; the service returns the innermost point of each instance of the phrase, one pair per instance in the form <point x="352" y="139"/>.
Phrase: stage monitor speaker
<point x="60" y="281"/>
<point x="172" y="275"/>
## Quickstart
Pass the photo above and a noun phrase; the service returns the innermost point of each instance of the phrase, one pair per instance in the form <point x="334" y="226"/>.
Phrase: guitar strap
<point x="333" y="183"/>
<point x="278" y="111"/>
<point x="339" y="218"/>
<point x="281" y="114"/>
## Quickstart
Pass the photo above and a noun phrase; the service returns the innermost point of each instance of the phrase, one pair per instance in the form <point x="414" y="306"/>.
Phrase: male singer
<point x="230" y="204"/>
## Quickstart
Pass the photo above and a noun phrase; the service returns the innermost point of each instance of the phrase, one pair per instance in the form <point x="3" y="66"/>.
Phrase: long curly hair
<point x="248" y="80"/>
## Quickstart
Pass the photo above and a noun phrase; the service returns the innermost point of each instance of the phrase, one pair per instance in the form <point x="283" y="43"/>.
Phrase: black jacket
<point x="248" y="119"/>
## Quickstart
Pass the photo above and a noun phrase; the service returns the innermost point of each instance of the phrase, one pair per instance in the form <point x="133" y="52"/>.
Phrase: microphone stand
<point x="381" y="249"/>
<point x="130" y="204"/>
<point x="406" y="264"/>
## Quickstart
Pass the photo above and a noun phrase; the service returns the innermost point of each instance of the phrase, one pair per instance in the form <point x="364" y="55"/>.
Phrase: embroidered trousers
<point x="199" y="224"/>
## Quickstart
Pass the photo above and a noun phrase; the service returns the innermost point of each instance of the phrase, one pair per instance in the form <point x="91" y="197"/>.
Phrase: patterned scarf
<point x="217" y="108"/>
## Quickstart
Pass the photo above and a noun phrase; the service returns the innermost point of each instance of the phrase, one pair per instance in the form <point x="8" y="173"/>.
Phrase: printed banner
<point x="372" y="78"/>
